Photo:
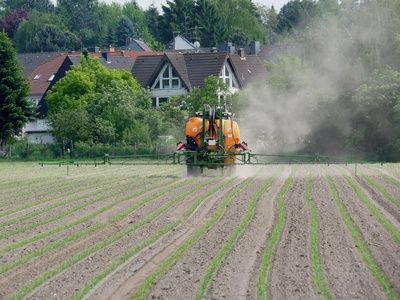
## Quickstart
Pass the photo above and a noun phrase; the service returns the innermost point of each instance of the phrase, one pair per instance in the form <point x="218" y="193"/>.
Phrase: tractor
<point x="212" y="140"/>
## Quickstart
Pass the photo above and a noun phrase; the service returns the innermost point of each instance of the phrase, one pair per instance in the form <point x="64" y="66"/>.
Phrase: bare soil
<point x="381" y="244"/>
<point x="346" y="274"/>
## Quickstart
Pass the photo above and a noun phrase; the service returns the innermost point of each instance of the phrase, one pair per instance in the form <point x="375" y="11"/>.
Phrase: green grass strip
<point x="382" y="190"/>
<point x="79" y="234"/>
<point x="41" y="279"/>
<point x="374" y="210"/>
<point x="164" y="266"/>
<point x="134" y="251"/>
<point x="54" y="231"/>
<point x="65" y="202"/>
<point x="232" y="240"/>
<point x="391" y="180"/>
<point x="64" y="214"/>
<point x="272" y="242"/>
<point x="318" y="275"/>
<point x="361" y="245"/>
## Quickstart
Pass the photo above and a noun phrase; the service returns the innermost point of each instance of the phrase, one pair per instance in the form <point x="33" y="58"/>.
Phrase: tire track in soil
<point x="66" y="284"/>
<point x="182" y="280"/>
<point x="291" y="274"/>
<point x="381" y="244"/>
<point x="347" y="275"/>
<point x="236" y="277"/>
<point x="18" y="278"/>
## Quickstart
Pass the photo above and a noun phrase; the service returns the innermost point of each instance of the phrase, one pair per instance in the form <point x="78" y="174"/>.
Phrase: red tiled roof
<point x="44" y="72"/>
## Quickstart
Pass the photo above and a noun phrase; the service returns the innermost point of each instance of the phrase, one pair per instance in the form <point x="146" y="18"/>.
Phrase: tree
<point x="210" y="94"/>
<point x="210" y="24"/>
<point x="14" y="106"/>
<point x="268" y="18"/>
<point x="51" y="38"/>
<point x="377" y="119"/>
<point x="10" y="22"/>
<point x="70" y="126"/>
<point x="39" y="5"/>
<point x="28" y="29"/>
<point x="296" y="14"/>
<point x="152" y="18"/>
<point x="179" y="15"/>
<point x="124" y="31"/>
<point x="78" y="14"/>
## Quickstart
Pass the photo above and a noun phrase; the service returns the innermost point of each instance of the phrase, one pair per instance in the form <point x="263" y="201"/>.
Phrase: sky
<point x="145" y="3"/>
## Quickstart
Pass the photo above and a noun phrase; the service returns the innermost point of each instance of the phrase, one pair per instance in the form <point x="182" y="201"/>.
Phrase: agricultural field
<point x="150" y="232"/>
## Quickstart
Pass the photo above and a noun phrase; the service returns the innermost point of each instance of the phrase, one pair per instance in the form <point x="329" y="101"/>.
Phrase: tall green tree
<point x="50" y="38"/>
<point x="15" y="108"/>
<point x="152" y="18"/>
<point x="78" y="14"/>
<point x="179" y="15"/>
<point x="210" y="24"/>
<point x="39" y="5"/>
<point x="124" y="31"/>
<point x="28" y="29"/>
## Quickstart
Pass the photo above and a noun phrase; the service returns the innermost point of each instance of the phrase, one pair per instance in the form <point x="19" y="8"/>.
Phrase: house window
<point x="168" y="79"/>
<point x="51" y="78"/>
<point x="159" y="101"/>
<point x="36" y="77"/>
<point x="227" y="76"/>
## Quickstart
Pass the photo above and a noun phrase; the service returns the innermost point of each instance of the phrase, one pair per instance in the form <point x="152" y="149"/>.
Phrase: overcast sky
<point x="145" y="3"/>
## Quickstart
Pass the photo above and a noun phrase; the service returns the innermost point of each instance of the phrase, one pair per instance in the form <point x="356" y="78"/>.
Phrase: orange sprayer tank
<point x="193" y="129"/>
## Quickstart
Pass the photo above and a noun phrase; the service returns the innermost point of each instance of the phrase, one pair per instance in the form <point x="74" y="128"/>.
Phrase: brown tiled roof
<point x="43" y="73"/>
<point x="194" y="68"/>
<point x="30" y="61"/>
<point x="248" y="69"/>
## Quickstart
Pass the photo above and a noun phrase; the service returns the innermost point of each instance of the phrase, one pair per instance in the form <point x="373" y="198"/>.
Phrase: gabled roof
<point x="194" y="68"/>
<point x="137" y="45"/>
<point x="30" y="61"/>
<point x="43" y="74"/>
<point x="179" y="42"/>
<point x="248" y="69"/>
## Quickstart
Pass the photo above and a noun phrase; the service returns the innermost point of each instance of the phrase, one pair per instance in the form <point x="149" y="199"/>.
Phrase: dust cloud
<point x="306" y="105"/>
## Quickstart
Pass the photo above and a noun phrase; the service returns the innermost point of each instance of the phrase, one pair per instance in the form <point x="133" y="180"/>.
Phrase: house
<point x="179" y="42"/>
<point x="40" y="69"/>
<point x="43" y="70"/>
<point x="174" y="73"/>
<point x="136" y="45"/>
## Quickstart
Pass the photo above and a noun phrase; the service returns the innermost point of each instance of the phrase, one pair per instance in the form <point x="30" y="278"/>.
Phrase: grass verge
<point x="373" y="209"/>
<point x="232" y="240"/>
<point x="361" y="245"/>
<point x="164" y="266"/>
<point x="318" y="275"/>
<point x="138" y="248"/>
<point x="272" y="242"/>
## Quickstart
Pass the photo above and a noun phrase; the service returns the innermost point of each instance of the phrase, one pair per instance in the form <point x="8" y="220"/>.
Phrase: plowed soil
<point x="111" y="232"/>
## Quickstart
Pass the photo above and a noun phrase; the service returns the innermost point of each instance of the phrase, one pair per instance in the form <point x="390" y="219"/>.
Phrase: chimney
<point x="241" y="53"/>
<point x="128" y="41"/>
<point x="255" y="48"/>
<point x="214" y="50"/>
<point x="111" y="48"/>
<point x="226" y="47"/>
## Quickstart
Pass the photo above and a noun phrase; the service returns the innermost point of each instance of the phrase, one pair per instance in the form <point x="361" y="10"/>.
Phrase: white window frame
<point x="232" y="80"/>
<point x="161" y="78"/>
<point x="157" y="104"/>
